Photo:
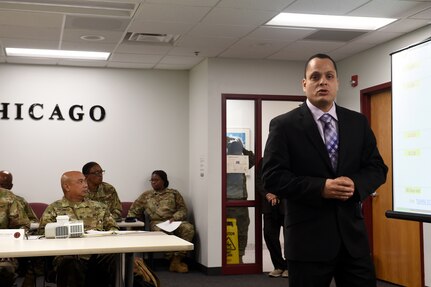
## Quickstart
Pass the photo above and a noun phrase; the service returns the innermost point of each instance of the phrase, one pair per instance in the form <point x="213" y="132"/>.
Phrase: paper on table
<point x="93" y="233"/>
<point x="168" y="226"/>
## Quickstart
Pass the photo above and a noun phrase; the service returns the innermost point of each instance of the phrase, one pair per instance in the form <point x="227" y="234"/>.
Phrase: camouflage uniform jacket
<point x="160" y="205"/>
<point x="94" y="214"/>
<point x="12" y="214"/>
<point x="107" y="194"/>
<point x="27" y="208"/>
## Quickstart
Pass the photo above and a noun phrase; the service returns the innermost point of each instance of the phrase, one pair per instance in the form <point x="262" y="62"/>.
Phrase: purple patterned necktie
<point x="331" y="138"/>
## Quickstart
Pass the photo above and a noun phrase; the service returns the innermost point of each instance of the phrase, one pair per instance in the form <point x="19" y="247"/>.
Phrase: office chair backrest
<point x="126" y="206"/>
<point x="38" y="208"/>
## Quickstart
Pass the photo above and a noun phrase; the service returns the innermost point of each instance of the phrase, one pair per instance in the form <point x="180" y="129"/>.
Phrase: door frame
<point x="246" y="268"/>
<point x="365" y="106"/>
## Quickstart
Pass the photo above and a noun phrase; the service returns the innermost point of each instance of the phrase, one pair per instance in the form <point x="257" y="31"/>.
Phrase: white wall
<point x="226" y="76"/>
<point x="207" y="225"/>
<point x="146" y="128"/>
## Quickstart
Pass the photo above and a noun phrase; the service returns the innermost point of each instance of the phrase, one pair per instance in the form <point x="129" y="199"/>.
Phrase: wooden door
<point x="397" y="245"/>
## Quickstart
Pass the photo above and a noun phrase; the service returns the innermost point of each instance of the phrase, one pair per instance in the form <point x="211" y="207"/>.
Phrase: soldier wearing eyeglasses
<point x="101" y="191"/>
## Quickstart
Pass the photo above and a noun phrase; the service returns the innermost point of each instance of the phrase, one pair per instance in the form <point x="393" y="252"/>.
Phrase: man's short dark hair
<point x="320" y="56"/>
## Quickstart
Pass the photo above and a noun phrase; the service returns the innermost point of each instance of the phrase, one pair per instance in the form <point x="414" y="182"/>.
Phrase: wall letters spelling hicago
<point x="36" y="111"/>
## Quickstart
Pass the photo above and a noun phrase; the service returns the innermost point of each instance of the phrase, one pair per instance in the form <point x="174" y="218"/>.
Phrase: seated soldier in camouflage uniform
<point x="12" y="215"/>
<point x="161" y="204"/>
<point x="99" y="190"/>
<point x="81" y="270"/>
<point x="6" y="181"/>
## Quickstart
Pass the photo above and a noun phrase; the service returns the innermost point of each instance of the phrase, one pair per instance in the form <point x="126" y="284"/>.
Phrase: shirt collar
<point x="317" y="113"/>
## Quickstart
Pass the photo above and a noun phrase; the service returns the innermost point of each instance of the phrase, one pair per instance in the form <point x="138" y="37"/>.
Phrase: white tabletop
<point x="125" y="243"/>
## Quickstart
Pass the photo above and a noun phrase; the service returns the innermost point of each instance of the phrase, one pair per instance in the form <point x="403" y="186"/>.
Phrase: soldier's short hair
<point x="86" y="168"/>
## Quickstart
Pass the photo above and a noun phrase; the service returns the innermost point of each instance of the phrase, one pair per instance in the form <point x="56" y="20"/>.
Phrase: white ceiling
<point x="200" y="28"/>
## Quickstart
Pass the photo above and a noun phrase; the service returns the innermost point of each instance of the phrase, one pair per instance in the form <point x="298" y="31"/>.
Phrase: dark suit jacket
<point x="296" y="165"/>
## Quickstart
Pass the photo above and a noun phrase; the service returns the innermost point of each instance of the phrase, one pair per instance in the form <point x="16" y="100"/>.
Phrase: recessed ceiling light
<point x="329" y="21"/>
<point x="88" y="7"/>
<point x="92" y="38"/>
<point x="57" y="54"/>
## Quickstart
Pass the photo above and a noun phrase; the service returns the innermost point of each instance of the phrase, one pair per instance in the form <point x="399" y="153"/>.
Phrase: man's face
<point x="321" y="83"/>
<point x="95" y="176"/>
<point x="76" y="187"/>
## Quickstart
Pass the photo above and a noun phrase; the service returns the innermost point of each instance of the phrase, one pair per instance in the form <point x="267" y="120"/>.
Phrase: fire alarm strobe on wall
<point x="354" y="80"/>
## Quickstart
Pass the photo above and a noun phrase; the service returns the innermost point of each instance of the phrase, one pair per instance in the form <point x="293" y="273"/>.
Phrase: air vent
<point x="150" y="38"/>
<point x="334" y="35"/>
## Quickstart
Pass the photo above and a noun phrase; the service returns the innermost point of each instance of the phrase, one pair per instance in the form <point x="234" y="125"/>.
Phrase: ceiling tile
<point x="29" y="43"/>
<point x="32" y="61"/>
<point x="253" y="49"/>
<point x="302" y="50"/>
<point x="74" y="35"/>
<point x="147" y="59"/>
<point x="384" y="8"/>
<point x="139" y="26"/>
<point x="96" y="23"/>
<point x="423" y="15"/>
<point x="238" y="17"/>
<point x="204" y="3"/>
<point x="30" y="19"/>
<point x="171" y="13"/>
<point x="130" y="65"/>
<point x="88" y="46"/>
<point x="209" y="52"/>
<point x="208" y="46"/>
<point x="36" y="33"/>
<point x="325" y="7"/>
<point x="270" y="5"/>
<point x="350" y="48"/>
<point x="404" y="26"/>
<point x="140" y="48"/>
<point x="280" y="33"/>
<point x="334" y="35"/>
<point x="78" y="63"/>
<point x="220" y="31"/>
<point x="172" y="67"/>
<point x="177" y="60"/>
<point x="377" y="37"/>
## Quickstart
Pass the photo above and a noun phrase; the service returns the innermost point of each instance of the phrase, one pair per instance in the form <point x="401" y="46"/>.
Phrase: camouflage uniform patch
<point x="107" y="194"/>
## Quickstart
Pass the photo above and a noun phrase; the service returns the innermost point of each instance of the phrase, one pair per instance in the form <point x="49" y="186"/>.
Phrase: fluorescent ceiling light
<point x="81" y="7"/>
<point x="329" y="21"/>
<point x="58" y="54"/>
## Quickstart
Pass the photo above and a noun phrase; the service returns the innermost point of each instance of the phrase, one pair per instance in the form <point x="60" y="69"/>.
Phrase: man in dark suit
<point x="325" y="231"/>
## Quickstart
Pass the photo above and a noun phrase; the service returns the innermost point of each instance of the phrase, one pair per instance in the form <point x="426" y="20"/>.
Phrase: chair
<point x="38" y="208"/>
<point x="126" y="206"/>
